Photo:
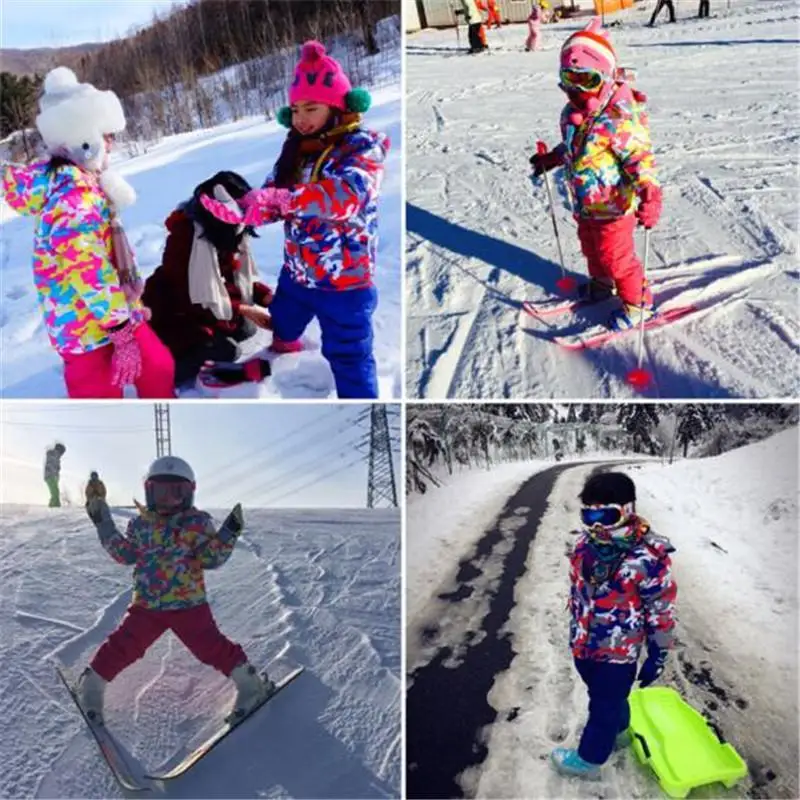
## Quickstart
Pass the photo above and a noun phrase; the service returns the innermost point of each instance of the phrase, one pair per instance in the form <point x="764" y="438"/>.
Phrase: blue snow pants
<point x="609" y="714"/>
<point x="345" y="319"/>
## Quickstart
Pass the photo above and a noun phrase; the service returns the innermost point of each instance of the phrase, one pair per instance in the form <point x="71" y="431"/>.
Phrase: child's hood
<point x="363" y="139"/>
<point x="27" y="188"/>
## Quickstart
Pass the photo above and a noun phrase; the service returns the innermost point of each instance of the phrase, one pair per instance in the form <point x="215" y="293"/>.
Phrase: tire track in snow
<point x="446" y="702"/>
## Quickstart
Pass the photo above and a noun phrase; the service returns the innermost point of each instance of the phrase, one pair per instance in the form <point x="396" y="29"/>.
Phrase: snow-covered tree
<point x="693" y="421"/>
<point x="640" y="421"/>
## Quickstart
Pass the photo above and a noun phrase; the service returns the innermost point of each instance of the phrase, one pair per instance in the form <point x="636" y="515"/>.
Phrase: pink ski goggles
<point x="168" y="493"/>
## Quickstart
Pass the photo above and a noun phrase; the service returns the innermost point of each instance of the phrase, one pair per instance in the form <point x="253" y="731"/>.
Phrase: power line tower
<point x="381" y="488"/>
<point x="163" y="430"/>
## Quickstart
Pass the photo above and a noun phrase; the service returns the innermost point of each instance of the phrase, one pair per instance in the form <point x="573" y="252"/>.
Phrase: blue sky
<point x="253" y="453"/>
<point x="58" y="23"/>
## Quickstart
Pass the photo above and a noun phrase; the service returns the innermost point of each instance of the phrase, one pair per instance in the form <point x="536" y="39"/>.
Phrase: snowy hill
<point x="494" y="622"/>
<point x="166" y="176"/>
<point x="724" y="122"/>
<point x="316" y="588"/>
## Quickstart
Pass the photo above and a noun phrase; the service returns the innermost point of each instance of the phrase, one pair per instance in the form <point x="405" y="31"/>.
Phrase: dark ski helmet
<point x="93" y="476"/>
<point x="169" y="485"/>
<point x="608" y="488"/>
<point x="59" y="448"/>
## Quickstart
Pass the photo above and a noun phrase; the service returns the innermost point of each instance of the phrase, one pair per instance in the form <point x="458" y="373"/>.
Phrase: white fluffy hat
<point x="74" y="116"/>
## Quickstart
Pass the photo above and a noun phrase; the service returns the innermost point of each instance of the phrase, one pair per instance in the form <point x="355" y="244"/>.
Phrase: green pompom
<point x="358" y="100"/>
<point x="284" y="116"/>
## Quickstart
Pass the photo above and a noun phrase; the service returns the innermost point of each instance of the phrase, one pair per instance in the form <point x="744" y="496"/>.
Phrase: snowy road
<point x="724" y="117"/>
<point x="316" y="588"/>
<point x="492" y="687"/>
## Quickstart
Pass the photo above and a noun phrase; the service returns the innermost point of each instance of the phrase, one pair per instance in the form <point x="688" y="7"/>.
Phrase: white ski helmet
<point x="74" y="116"/>
<point x="169" y="485"/>
<point x="170" y="466"/>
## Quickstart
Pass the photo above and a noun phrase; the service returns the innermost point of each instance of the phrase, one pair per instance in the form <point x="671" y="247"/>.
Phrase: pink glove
<point x="264" y="205"/>
<point x="649" y="209"/>
<point x="126" y="362"/>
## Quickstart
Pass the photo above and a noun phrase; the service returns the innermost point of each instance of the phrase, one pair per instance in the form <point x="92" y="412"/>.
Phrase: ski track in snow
<point x="742" y="675"/>
<point x="315" y="588"/>
<point x="480" y="237"/>
<point x="165" y="176"/>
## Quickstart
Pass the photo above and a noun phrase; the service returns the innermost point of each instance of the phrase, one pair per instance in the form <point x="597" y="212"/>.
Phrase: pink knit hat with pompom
<point x="590" y="49"/>
<point x="319" y="78"/>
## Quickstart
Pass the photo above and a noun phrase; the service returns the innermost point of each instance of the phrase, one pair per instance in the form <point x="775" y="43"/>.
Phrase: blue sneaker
<point x="629" y="316"/>
<point x="568" y="762"/>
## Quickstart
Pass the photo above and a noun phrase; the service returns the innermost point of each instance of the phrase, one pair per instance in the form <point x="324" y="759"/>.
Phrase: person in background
<point x="477" y="39"/>
<point x="95" y="489"/>
<point x="534" y="27"/>
<point x="705" y="8"/>
<point x="659" y="5"/>
<point x="52" y="473"/>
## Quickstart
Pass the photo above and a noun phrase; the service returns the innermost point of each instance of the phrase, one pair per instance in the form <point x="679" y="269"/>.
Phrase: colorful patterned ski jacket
<point x="331" y="227"/>
<point x="169" y="555"/>
<point x="609" y="158"/>
<point x="613" y="619"/>
<point x="79" y="292"/>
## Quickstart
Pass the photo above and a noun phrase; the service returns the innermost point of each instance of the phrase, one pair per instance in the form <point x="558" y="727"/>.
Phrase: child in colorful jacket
<point x="611" y="171"/>
<point x="169" y="547"/>
<point x="83" y="267"/>
<point x="622" y="597"/>
<point x="325" y="187"/>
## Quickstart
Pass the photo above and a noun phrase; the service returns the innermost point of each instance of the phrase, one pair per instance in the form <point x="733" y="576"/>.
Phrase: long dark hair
<point x="222" y="235"/>
<point x="56" y="162"/>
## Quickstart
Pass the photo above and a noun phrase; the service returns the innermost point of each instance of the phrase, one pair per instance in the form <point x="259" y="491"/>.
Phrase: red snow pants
<point x="611" y="255"/>
<point x="88" y="375"/>
<point x="494" y="15"/>
<point x="140" y="628"/>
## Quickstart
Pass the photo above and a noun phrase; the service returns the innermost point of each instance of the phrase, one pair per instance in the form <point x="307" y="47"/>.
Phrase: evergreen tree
<point x="640" y="421"/>
<point x="693" y="422"/>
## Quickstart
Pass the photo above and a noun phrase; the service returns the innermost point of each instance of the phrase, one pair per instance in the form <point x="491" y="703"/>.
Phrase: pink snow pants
<point x="141" y="627"/>
<point x="611" y="255"/>
<point x="88" y="375"/>
<point x="534" y="28"/>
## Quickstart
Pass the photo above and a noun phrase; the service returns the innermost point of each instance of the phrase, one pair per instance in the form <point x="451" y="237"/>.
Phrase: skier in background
<point x="52" y="473"/>
<point x="83" y="266"/>
<point x="611" y="172"/>
<point x="95" y="489"/>
<point x="704" y="9"/>
<point x="493" y="14"/>
<point x="534" y="27"/>
<point x="169" y="551"/>
<point x="659" y="5"/>
<point x="477" y="37"/>
<point x="622" y="596"/>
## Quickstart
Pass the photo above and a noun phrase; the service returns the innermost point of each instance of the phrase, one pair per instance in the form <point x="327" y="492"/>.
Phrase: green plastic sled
<point x="683" y="748"/>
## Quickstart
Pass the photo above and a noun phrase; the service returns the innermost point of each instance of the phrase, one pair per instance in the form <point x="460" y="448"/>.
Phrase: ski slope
<point x="733" y="520"/>
<point x="314" y="588"/>
<point x="165" y="176"/>
<point x="722" y="95"/>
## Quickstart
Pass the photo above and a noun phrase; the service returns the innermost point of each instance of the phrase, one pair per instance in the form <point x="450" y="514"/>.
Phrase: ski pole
<point x="639" y="377"/>
<point x="564" y="283"/>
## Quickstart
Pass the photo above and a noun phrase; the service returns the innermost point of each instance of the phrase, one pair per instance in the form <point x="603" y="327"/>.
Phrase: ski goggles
<point x="581" y="80"/>
<point x="168" y="493"/>
<point x="604" y="516"/>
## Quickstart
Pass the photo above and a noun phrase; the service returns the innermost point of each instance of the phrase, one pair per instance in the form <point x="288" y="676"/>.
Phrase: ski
<point x="600" y="334"/>
<point x="555" y="306"/>
<point x="224" y="374"/>
<point x="209" y="744"/>
<point x="109" y="748"/>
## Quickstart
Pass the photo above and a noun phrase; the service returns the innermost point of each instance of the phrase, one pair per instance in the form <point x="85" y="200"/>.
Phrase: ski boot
<point x="595" y="291"/>
<point x="568" y="762"/>
<point x="279" y="346"/>
<point x="90" y="691"/>
<point x="629" y="316"/>
<point x="251" y="689"/>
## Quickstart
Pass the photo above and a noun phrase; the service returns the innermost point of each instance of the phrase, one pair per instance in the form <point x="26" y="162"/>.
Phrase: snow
<point x="317" y="588"/>
<point x="737" y="617"/>
<point x="724" y="117"/>
<point x="165" y="176"/>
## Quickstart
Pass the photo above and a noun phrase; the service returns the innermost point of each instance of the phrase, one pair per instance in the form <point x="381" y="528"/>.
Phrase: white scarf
<point x="206" y="285"/>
